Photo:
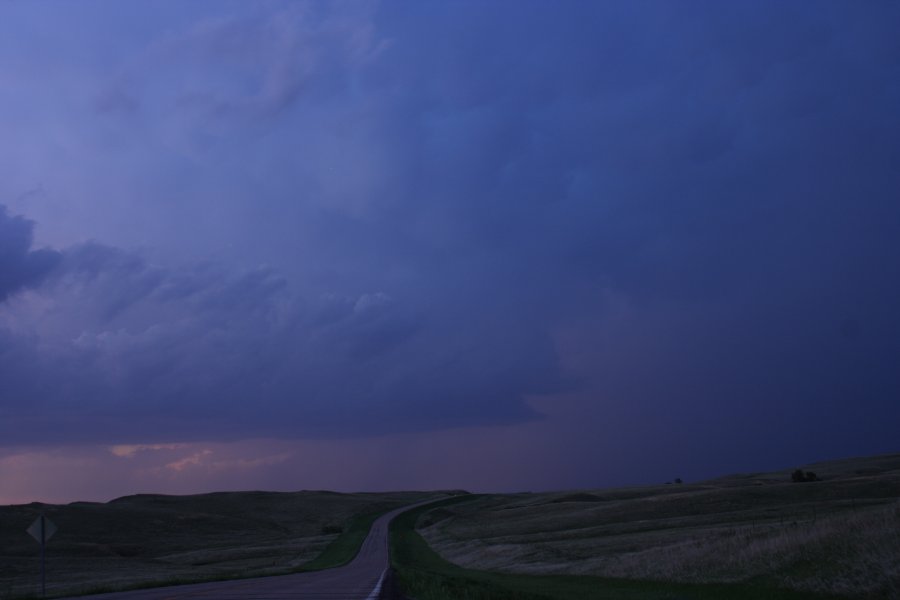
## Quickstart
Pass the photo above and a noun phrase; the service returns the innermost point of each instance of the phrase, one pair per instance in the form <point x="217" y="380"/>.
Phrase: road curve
<point x="357" y="580"/>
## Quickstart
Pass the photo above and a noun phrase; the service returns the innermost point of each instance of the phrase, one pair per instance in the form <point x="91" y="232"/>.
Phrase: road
<point x="359" y="580"/>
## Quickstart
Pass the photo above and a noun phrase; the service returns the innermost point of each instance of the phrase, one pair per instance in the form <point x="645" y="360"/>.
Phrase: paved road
<point x="358" y="580"/>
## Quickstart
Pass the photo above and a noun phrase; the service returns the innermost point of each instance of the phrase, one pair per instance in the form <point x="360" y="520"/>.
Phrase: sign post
<point x="42" y="530"/>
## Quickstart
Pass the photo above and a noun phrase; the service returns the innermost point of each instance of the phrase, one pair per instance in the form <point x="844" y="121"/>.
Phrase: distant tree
<point x="678" y="480"/>
<point x="799" y="476"/>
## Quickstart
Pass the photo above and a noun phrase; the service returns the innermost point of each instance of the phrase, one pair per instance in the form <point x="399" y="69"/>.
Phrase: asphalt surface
<point x="359" y="580"/>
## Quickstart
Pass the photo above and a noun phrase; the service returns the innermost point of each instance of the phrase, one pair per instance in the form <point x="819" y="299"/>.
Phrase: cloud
<point x="112" y="348"/>
<point x="732" y="190"/>
<point x="707" y="196"/>
<point x="430" y="460"/>
<point x="207" y="461"/>
<point x="131" y="450"/>
<point x="20" y="266"/>
<point x="249" y="65"/>
<point x="187" y="462"/>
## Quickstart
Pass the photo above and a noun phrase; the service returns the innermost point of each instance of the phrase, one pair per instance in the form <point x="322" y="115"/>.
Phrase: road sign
<point x="42" y="529"/>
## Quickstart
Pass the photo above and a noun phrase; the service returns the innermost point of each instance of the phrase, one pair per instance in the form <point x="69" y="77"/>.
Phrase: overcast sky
<point x="501" y="245"/>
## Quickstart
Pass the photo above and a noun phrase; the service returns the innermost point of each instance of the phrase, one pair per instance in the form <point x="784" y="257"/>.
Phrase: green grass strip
<point x="424" y="575"/>
<point x="346" y="546"/>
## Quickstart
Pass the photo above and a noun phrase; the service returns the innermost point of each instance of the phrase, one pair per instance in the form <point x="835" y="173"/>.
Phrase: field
<point x="145" y="540"/>
<point x="749" y="536"/>
<point x="838" y="536"/>
<point x="424" y="575"/>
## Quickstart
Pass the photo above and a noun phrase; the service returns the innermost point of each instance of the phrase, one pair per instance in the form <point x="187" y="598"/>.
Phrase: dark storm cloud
<point x="702" y="199"/>
<point x="113" y="348"/>
<point x="729" y="174"/>
<point x="20" y="266"/>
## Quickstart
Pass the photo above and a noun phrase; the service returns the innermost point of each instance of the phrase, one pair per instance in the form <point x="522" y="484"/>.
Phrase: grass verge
<point x="424" y="575"/>
<point x="342" y="550"/>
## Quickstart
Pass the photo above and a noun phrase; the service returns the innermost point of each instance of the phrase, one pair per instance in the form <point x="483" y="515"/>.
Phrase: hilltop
<point x="838" y="535"/>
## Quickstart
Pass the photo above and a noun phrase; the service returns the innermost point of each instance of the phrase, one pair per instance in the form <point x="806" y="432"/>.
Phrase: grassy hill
<point x="737" y="536"/>
<point x="151" y="539"/>
<point x="840" y="535"/>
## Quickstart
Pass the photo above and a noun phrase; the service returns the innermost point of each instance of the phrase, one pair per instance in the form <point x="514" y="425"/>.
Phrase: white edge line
<point x="377" y="591"/>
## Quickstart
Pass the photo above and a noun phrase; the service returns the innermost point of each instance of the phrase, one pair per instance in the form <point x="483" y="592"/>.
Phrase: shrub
<point x="798" y="476"/>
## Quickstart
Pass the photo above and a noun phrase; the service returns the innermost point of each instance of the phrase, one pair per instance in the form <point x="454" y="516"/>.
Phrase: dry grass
<point x="840" y="536"/>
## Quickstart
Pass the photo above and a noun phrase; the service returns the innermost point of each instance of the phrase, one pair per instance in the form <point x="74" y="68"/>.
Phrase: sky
<point x="499" y="246"/>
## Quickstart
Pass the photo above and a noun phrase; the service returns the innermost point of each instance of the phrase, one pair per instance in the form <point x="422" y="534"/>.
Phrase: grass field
<point x="837" y="536"/>
<point x="739" y="537"/>
<point x="145" y="540"/>
<point x="424" y="575"/>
